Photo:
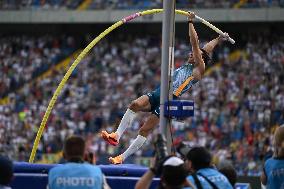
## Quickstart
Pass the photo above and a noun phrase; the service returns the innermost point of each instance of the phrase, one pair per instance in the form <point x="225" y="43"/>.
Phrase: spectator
<point x="203" y="175"/>
<point x="273" y="172"/>
<point x="75" y="173"/>
<point x="6" y="172"/>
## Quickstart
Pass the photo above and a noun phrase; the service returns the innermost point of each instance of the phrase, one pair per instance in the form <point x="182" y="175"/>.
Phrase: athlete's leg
<point x="140" y="104"/>
<point x="147" y="127"/>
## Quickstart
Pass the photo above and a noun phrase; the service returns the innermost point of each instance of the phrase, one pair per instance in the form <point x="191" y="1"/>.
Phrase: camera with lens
<point x="161" y="153"/>
<point x="183" y="148"/>
<point x="161" y="147"/>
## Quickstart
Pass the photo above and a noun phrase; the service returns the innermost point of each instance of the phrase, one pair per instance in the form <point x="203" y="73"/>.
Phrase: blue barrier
<point x="109" y="170"/>
<point x="242" y="185"/>
<point x="29" y="176"/>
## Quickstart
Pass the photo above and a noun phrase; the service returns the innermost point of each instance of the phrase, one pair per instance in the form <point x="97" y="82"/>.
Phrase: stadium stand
<point x="133" y="4"/>
<point x="23" y="58"/>
<point x="238" y="104"/>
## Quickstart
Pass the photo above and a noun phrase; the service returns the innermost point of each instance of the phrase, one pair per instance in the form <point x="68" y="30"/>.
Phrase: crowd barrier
<point x="34" y="176"/>
<point x="125" y="176"/>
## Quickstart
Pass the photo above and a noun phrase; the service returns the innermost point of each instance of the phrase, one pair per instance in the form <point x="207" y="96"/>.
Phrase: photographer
<point x="171" y="169"/>
<point x="273" y="171"/>
<point x="75" y="173"/>
<point x="203" y="175"/>
<point x="6" y="172"/>
<point x="172" y="173"/>
<point x="227" y="169"/>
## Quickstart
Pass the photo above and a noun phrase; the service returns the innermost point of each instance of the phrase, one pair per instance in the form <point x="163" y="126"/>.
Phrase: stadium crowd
<point x="134" y="4"/>
<point x="22" y="58"/>
<point x="237" y="105"/>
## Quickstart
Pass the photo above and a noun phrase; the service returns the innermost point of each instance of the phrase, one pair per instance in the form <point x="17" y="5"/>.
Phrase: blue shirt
<point x="274" y="171"/>
<point x="213" y="175"/>
<point x="4" y="187"/>
<point x="75" y="176"/>
<point x="180" y="76"/>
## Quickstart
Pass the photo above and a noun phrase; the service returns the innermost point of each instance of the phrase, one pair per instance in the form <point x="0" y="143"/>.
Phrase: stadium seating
<point x="234" y="125"/>
<point x="133" y="4"/>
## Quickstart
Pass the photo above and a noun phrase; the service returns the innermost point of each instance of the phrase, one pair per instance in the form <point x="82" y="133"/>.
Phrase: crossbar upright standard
<point x="167" y="50"/>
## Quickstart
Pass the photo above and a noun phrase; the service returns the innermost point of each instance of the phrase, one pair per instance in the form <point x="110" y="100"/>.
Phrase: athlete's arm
<point x="199" y="63"/>
<point x="145" y="181"/>
<point x="209" y="47"/>
<point x="263" y="178"/>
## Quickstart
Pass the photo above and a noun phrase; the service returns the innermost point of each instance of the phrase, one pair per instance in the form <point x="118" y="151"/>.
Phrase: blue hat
<point x="6" y="170"/>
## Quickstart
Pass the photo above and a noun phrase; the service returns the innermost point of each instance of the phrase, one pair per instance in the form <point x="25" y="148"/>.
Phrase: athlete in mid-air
<point x="184" y="78"/>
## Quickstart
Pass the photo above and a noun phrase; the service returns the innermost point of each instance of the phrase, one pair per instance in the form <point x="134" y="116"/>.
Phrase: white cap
<point x="173" y="161"/>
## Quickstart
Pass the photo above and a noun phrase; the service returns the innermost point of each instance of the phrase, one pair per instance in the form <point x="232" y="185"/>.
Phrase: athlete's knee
<point x="144" y="132"/>
<point x="134" y="106"/>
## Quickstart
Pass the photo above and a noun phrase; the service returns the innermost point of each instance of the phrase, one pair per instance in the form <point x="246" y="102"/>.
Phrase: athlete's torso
<point x="183" y="79"/>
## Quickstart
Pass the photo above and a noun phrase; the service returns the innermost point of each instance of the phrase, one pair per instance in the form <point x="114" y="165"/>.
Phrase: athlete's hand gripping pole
<point x="224" y="35"/>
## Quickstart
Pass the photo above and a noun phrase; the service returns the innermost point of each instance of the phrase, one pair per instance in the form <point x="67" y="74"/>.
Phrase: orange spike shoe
<point x="116" y="160"/>
<point x="110" y="138"/>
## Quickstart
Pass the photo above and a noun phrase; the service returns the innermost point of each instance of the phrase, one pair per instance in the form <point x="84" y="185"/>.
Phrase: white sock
<point x="134" y="147"/>
<point x="126" y="121"/>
